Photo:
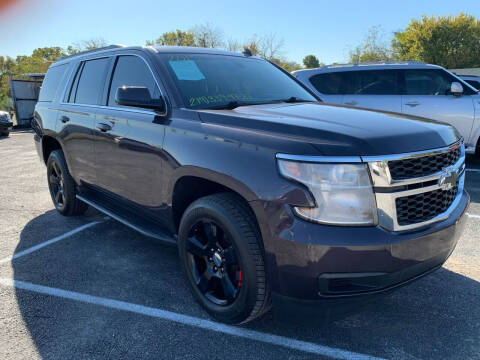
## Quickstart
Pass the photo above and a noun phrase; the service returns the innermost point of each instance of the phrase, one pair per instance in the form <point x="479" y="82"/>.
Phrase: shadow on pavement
<point x="436" y="317"/>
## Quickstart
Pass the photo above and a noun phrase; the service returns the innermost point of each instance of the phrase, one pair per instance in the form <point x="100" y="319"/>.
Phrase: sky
<point x="326" y="29"/>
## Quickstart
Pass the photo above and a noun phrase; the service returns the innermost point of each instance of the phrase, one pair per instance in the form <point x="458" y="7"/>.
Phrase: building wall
<point x="474" y="71"/>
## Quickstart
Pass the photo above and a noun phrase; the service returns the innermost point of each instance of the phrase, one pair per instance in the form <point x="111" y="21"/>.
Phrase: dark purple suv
<point x="268" y="193"/>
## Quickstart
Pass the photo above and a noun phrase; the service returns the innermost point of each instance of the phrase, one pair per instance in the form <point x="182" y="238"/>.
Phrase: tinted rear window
<point x="328" y="83"/>
<point x="365" y="82"/>
<point x="52" y="82"/>
<point x="91" y="82"/>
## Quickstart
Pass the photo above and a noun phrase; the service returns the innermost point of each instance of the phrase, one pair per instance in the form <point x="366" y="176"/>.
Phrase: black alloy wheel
<point x="57" y="186"/>
<point x="220" y="248"/>
<point x="63" y="188"/>
<point x="213" y="261"/>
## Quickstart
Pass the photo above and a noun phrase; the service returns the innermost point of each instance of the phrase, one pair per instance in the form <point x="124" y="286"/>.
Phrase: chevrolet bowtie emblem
<point x="448" y="179"/>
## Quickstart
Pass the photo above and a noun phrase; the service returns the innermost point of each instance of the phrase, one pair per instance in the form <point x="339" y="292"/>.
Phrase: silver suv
<point x="404" y="87"/>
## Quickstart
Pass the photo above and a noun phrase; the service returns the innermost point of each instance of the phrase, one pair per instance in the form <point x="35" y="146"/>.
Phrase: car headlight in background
<point x="343" y="192"/>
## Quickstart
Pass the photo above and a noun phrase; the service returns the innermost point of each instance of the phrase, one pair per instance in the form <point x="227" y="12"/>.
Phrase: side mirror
<point x="456" y="89"/>
<point x="138" y="96"/>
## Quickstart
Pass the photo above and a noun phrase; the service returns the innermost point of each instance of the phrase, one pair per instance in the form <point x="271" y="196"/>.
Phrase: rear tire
<point x="62" y="186"/>
<point x="233" y="230"/>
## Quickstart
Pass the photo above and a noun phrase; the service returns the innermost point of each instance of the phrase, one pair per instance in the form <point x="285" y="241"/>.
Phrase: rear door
<point x="427" y="94"/>
<point x="128" y="140"/>
<point x="373" y="89"/>
<point x="76" y="118"/>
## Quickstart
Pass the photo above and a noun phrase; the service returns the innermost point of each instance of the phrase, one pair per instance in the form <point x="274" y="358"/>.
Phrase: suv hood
<point x="337" y="130"/>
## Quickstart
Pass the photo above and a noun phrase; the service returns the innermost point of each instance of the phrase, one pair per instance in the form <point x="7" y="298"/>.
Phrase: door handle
<point x="412" y="103"/>
<point x="103" y="127"/>
<point x="351" y="102"/>
<point x="64" y="119"/>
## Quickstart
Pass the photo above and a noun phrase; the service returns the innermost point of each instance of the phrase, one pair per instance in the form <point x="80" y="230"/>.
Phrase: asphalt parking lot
<point x="90" y="288"/>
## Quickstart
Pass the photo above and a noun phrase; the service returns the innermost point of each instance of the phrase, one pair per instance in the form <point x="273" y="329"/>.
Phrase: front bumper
<point x="309" y="261"/>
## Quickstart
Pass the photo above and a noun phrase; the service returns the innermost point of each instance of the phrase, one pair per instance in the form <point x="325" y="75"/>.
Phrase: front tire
<point x="220" y="251"/>
<point x="62" y="186"/>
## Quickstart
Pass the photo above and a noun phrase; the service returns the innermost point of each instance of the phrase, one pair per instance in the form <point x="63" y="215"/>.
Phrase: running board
<point x="139" y="225"/>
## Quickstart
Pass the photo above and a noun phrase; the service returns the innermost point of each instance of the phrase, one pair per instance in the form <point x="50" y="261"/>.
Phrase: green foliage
<point x="452" y="42"/>
<point x="287" y="65"/>
<point x="311" y="61"/>
<point x="37" y="62"/>
<point x="175" y="38"/>
<point x="373" y="48"/>
<point x="48" y="54"/>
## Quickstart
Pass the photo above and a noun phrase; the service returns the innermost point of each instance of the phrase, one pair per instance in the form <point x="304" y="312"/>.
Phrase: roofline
<point x="109" y="47"/>
<point x="356" y="66"/>
<point x="156" y="49"/>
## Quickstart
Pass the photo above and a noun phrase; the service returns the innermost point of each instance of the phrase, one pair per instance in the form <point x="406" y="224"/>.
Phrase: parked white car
<point x="404" y="87"/>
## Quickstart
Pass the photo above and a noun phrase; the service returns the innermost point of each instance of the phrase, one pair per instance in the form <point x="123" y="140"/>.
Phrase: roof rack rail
<point x="109" y="47"/>
<point x="373" y="63"/>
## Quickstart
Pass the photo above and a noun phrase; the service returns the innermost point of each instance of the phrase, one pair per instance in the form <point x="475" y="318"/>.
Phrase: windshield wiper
<point x="228" y="106"/>
<point x="294" y="99"/>
<point x="234" y="104"/>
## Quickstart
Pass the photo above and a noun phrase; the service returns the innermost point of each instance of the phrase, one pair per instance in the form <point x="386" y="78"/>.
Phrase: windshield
<point x="221" y="81"/>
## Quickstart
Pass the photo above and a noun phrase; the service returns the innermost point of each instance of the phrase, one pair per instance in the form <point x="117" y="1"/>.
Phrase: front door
<point x="427" y="94"/>
<point x="128" y="140"/>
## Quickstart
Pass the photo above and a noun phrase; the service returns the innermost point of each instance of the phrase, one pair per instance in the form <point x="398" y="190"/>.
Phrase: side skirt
<point x="128" y="218"/>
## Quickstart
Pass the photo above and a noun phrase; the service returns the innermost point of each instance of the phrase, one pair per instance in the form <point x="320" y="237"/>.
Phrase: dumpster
<point x="24" y="90"/>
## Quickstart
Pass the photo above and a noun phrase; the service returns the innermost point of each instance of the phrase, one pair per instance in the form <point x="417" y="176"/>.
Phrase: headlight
<point x="343" y="192"/>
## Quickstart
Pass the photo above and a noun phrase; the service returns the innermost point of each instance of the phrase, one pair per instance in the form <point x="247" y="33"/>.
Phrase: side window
<point x="474" y="83"/>
<point x="328" y="83"/>
<point x="90" y="82"/>
<point x="131" y="71"/>
<point x="372" y="82"/>
<point x="70" y="96"/>
<point x="51" y="83"/>
<point x="428" y="82"/>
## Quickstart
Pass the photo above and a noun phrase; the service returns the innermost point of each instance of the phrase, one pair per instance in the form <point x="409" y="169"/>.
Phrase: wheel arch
<point x="49" y="144"/>
<point x="191" y="183"/>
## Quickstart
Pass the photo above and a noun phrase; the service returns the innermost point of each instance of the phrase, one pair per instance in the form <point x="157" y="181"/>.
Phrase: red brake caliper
<point x="239" y="278"/>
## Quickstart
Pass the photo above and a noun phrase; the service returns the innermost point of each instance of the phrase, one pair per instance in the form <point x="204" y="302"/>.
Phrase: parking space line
<point x="190" y="321"/>
<point x="48" y="242"/>
<point x="472" y="216"/>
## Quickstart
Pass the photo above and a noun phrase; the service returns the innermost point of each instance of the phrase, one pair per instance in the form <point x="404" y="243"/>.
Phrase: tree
<point x="207" y="36"/>
<point x="373" y="48"/>
<point x="269" y="47"/>
<point x="452" y="42"/>
<point x="286" y="64"/>
<point x="48" y="53"/>
<point x="311" y="61"/>
<point x="84" y="45"/>
<point x="233" y="45"/>
<point x="175" y="38"/>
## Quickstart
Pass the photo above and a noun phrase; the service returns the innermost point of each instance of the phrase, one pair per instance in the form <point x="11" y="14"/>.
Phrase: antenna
<point x="246" y="52"/>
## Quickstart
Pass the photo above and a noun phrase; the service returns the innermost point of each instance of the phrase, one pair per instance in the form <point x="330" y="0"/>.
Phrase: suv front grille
<point x="422" y="207"/>
<point x="422" y="166"/>
<point x="416" y="189"/>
